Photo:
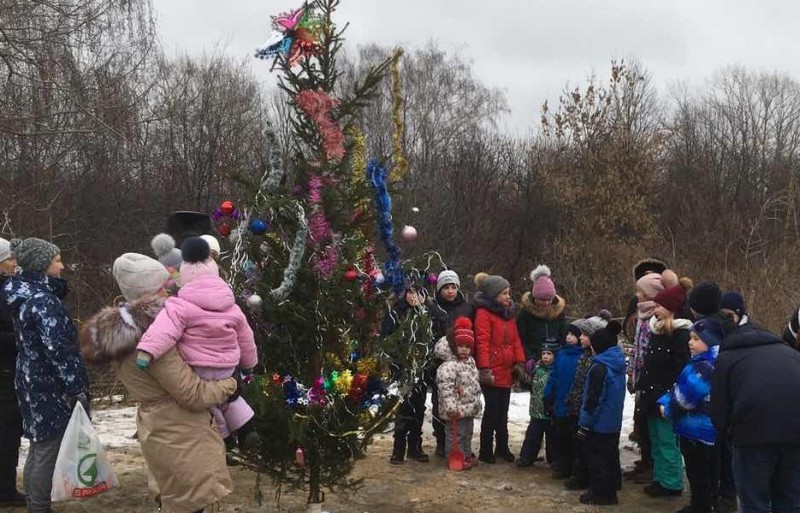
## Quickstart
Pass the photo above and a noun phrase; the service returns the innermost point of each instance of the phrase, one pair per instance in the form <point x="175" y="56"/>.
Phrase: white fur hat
<point x="138" y="275"/>
<point x="213" y="243"/>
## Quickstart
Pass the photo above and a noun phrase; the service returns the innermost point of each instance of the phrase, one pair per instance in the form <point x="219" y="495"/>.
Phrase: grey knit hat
<point x="447" y="277"/>
<point x="5" y="250"/>
<point x="164" y="247"/>
<point x="590" y="324"/>
<point x="491" y="285"/>
<point x="34" y="254"/>
<point x="138" y="275"/>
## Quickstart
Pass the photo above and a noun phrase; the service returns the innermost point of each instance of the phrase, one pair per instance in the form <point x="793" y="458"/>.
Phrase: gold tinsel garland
<point x="400" y="163"/>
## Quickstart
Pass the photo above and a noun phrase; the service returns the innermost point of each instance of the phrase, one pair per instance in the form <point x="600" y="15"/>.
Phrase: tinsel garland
<point x="295" y="258"/>
<point x="358" y="164"/>
<point x="317" y="105"/>
<point x="400" y="162"/>
<point x="274" y="175"/>
<point x="393" y="270"/>
<point x="320" y="230"/>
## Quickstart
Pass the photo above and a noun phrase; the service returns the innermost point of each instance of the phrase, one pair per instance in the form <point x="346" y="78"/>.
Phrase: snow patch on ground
<point x="116" y="426"/>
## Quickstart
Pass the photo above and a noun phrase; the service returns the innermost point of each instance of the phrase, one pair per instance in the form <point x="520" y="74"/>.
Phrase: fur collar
<point x="548" y="313"/>
<point x="114" y="332"/>
<point x="481" y="300"/>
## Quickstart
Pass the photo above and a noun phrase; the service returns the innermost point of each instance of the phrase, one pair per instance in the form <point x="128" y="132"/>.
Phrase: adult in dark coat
<point x="10" y="418"/>
<point x="50" y="374"/>
<point x="755" y="390"/>
<point x="449" y="304"/>
<point x="791" y="334"/>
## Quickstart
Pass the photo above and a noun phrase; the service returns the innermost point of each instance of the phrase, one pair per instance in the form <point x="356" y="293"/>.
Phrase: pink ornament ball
<point x="409" y="232"/>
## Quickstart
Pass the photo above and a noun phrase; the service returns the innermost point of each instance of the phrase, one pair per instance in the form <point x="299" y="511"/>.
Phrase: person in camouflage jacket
<point x="51" y="376"/>
<point x="540" y="427"/>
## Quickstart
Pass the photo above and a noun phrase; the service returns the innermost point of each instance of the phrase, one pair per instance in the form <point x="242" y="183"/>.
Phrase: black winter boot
<point x="505" y="454"/>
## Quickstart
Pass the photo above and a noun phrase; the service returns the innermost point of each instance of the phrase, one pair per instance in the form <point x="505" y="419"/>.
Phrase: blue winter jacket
<point x="561" y="377"/>
<point x="50" y="370"/>
<point x="604" y="393"/>
<point x="689" y="402"/>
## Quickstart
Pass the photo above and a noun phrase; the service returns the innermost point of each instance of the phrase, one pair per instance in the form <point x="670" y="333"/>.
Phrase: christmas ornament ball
<point x="226" y="207"/>
<point x="254" y="301"/>
<point x="351" y="275"/>
<point x="224" y="230"/>
<point x="432" y="278"/>
<point x="258" y="226"/>
<point x="409" y="232"/>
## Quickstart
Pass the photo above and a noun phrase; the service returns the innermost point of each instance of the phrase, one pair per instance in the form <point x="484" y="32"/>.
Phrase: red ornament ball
<point x="226" y="207"/>
<point x="224" y="230"/>
<point x="351" y="275"/>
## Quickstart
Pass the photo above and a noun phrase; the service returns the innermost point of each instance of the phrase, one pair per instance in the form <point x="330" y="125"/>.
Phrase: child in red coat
<point x="500" y="358"/>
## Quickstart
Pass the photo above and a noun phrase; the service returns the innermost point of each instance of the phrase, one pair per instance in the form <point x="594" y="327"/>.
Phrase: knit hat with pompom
<point x="591" y="324"/>
<point x="461" y="334"/>
<point x="491" y="285"/>
<point x="197" y="260"/>
<point x="164" y="248"/>
<point x="543" y="287"/>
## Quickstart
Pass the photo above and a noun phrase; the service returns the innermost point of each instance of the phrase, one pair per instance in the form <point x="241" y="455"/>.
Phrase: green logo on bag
<point x="87" y="469"/>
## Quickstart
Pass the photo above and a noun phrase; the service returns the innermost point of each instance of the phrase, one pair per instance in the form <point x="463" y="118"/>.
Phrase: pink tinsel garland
<point x="317" y="105"/>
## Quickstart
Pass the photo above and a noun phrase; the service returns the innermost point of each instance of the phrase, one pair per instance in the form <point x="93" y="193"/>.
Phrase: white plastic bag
<point x="82" y="468"/>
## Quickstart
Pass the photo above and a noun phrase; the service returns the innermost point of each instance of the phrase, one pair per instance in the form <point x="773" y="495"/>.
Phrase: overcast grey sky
<point x="529" y="48"/>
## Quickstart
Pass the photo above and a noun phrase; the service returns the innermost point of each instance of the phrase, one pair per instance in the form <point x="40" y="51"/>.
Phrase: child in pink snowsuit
<point x="209" y="329"/>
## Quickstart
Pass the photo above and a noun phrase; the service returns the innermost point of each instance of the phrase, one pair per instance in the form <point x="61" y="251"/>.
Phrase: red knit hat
<point x="672" y="298"/>
<point x="462" y="334"/>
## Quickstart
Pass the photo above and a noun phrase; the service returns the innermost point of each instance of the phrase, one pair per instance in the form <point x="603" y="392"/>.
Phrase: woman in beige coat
<point x="184" y="452"/>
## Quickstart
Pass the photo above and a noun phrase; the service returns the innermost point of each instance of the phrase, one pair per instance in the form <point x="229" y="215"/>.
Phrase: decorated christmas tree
<point x="315" y="260"/>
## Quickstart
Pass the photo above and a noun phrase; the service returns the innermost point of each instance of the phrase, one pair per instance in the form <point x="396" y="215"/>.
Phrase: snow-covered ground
<point x="115" y="426"/>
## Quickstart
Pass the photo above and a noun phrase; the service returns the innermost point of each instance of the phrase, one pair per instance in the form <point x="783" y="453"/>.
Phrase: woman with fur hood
<point x="184" y="452"/>
<point x="500" y="358"/>
<point x="541" y="316"/>
<point x="459" y="388"/>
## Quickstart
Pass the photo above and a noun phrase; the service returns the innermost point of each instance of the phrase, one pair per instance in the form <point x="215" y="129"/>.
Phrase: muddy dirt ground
<point x="412" y="487"/>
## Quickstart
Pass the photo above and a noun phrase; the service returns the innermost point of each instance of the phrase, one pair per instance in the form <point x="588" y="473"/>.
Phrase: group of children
<point x="577" y="375"/>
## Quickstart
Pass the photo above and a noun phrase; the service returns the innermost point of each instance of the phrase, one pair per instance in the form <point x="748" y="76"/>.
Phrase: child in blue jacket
<point x="556" y="396"/>
<point x="600" y="420"/>
<point x="688" y="405"/>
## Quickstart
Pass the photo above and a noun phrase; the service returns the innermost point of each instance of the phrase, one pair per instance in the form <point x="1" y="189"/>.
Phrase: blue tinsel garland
<point x="377" y="175"/>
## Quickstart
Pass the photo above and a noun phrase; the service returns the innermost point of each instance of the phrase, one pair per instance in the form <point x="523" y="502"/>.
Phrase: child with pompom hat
<point x="209" y="330"/>
<point x="541" y="316"/>
<point x="500" y="359"/>
<point x="459" y="388"/>
<point x="667" y="354"/>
